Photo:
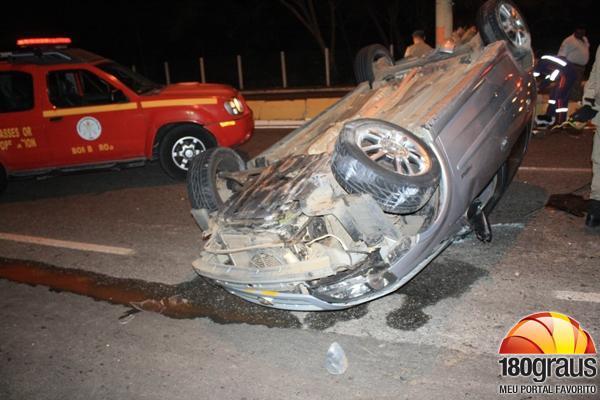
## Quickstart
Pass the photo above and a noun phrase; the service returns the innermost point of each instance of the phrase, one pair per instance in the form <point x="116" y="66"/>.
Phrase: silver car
<point x="352" y="205"/>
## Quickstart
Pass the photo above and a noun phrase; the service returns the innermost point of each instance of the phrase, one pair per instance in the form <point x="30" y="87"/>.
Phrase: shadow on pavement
<point x="519" y="203"/>
<point x="100" y="181"/>
<point x="89" y="182"/>
<point x="570" y="203"/>
<point x="199" y="298"/>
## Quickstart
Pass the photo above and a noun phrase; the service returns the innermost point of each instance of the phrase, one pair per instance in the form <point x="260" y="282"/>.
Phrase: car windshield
<point x="131" y="79"/>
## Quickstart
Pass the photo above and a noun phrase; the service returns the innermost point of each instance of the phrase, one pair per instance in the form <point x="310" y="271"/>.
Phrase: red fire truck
<point x="64" y="109"/>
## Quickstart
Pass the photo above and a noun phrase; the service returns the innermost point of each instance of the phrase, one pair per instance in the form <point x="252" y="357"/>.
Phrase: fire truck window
<point x="16" y="91"/>
<point x="62" y="89"/>
<point x="76" y="88"/>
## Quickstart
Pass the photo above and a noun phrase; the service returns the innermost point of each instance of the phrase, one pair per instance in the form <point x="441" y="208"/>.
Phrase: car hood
<point x="420" y="96"/>
<point x="194" y="89"/>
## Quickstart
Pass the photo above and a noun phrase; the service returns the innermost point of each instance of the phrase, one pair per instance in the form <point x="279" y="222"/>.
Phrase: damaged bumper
<point x="316" y="299"/>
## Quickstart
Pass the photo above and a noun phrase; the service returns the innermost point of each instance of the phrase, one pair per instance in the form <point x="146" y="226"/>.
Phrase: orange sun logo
<point x="547" y="333"/>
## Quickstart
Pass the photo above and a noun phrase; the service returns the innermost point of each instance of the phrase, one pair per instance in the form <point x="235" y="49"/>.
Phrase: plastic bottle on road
<point x="335" y="360"/>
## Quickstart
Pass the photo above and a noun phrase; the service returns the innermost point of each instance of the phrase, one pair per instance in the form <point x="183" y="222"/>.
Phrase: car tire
<point x="3" y="179"/>
<point x="205" y="188"/>
<point x="502" y="20"/>
<point x="397" y="192"/>
<point x="367" y="60"/>
<point x="180" y="145"/>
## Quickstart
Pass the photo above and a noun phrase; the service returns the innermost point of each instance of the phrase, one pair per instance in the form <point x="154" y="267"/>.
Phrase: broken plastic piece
<point x="336" y="362"/>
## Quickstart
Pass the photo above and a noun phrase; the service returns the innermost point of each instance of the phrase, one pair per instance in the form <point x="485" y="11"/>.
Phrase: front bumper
<point x="234" y="131"/>
<point x="308" y="302"/>
<point x="282" y="300"/>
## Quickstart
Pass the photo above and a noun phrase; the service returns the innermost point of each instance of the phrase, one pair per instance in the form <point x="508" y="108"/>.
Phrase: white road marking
<point x="556" y="169"/>
<point x="589" y="297"/>
<point x="67" y="244"/>
<point x="518" y="225"/>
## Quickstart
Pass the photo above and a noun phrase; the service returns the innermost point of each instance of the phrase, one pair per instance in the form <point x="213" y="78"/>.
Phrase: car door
<point x="23" y="144"/>
<point x="480" y="136"/>
<point x="91" y="121"/>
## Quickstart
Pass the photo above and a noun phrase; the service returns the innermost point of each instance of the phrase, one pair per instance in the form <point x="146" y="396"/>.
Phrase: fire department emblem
<point x="89" y="128"/>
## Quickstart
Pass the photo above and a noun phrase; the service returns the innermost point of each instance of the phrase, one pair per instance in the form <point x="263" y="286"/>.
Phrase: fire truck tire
<point x="180" y="145"/>
<point x="205" y="188"/>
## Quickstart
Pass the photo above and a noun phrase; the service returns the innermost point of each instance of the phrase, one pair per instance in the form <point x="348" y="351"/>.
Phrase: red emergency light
<point x="43" y="41"/>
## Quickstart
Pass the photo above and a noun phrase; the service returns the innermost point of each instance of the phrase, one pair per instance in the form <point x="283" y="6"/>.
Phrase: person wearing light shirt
<point x="419" y="48"/>
<point x="576" y="50"/>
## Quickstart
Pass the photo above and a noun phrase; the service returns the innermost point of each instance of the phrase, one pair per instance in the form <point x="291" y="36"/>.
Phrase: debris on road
<point x="336" y="361"/>
<point x="128" y="316"/>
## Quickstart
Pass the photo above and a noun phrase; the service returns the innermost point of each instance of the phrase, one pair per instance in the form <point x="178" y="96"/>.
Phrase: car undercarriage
<point x="356" y="202"/>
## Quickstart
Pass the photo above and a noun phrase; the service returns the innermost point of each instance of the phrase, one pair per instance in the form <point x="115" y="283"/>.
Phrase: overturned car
<point x="352" y="205"/>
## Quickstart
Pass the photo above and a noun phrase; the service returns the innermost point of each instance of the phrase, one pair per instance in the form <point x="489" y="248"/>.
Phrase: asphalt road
<point x="437" y="337"/>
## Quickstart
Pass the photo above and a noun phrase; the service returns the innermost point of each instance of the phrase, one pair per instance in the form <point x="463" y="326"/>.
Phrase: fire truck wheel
<point x="179" y="146"/>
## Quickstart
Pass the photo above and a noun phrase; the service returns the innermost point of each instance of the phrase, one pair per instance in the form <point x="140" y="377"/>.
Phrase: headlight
<point x="234" y="106"/>
<point x="358" y="284"/>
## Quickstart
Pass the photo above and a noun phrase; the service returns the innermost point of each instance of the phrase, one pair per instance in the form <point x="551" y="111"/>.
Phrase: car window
<point x="16" y="91"/>
<point x="136" y="82"/>
<point x="75" y="88"/>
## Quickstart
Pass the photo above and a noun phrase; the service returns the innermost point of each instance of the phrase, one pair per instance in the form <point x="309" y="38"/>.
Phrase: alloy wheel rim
<point x="394" y="150"/>
<point x="513" y="25"/>
<point x="184" y="149"/>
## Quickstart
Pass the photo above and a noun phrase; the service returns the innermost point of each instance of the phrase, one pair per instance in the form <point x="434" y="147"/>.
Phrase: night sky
<point x="146" y="33"/>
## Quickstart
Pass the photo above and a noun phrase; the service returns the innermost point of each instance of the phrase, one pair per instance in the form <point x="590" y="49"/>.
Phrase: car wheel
<point x="3" y="179"/>
<point x="206" y="188"/>
<point x="179" y="146"/>
<point x="368" y="60"/>
<point x="502" y="20"/>
<point x="388" y="162"/>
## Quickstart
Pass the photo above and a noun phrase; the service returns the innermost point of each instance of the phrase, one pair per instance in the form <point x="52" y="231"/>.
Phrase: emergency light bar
<point x="43" y="41"/>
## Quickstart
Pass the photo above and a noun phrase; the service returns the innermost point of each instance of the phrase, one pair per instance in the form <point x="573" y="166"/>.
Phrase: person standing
<point x="591" y="97"/>
<point x="569" y="68"/>
<point x="559" y="75"/>
<point x="419" y="48"/>
<point x="576" y="50"/>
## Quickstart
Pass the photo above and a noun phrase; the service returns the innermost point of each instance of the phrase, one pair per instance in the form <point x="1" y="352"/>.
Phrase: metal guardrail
<point x="296" y="93"/>
<point x="240" y="69"/>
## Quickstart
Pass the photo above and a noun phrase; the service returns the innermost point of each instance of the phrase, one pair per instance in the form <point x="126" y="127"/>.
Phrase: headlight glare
<point x="234" y="106"/>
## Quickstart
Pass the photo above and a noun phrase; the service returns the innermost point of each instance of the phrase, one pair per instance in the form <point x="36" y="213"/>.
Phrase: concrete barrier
<point x="286" y="110"/>
<point x="302" y="107"/>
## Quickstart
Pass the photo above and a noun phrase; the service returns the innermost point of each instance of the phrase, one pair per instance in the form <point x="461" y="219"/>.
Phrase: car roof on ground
<point x="50" y="56"/>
